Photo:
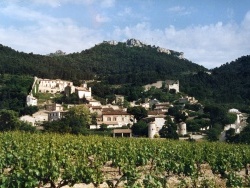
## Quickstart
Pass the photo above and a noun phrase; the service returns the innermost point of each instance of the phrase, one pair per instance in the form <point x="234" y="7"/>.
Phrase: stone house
<point x="96" y="109"/>
<point x="55" y="115"/>
<point x="172" y="85"/>
<point x="54" y="107"/>
<point x="117" y="118"/>
<point x="93" y="102"/>
<point x="28" y="119"/>
<point x="114" y="118"/>
<point x="162" y="107"/>
<point x="40" y="117"/>
<point x="168" y="84"/>
<point x="155" y="121"/>
<point x="52" y="86"/>
<point x="83" y="92"/>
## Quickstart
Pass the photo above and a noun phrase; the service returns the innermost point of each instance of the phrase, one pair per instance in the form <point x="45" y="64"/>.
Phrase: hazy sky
<point x="209" y="32"/>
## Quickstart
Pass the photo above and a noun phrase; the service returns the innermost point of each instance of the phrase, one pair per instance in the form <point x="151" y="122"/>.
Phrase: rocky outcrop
<point x="163" y="50"/>
<point x="134" y="42"/>
<point x="181" y="55"/>
<point x="111" y="42"/>
<point x="138" y="43"/>
<point x="58" y="53"/>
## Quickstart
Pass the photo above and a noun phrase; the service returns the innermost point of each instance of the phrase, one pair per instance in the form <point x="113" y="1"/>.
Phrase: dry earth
<point x="206" y="179"/>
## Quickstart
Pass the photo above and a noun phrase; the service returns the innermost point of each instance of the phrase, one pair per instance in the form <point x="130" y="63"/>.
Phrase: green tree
<point x="29" y="110"/>
<point x="244" y="136"/>
<point x="81" y="111"/>
<point x="93" y="118"/>
<point x="126" y="104"/>
<point x="216" y="113"/>
<point x="197" y="124"/>
<point x="169" y="129"/>
<point x="9" y="121"/>
<point x="230" y="133"/>
<point x="213" y="134"/>
<point x="140" y="128"/>
<point x="194" y="107"/>
<point x="75" y="121"/>
<point x="173" y="111"/>
<point x="139" y="112"/>
<point x="177" y="113"/>
<point x="229" y="118"/>
<point x="180" y="117"/>
<point x="78" y="118"/>
<point x="103" y="127"/>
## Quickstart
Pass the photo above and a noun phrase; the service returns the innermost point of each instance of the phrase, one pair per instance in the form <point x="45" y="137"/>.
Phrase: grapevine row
<point x="36" y="160"/>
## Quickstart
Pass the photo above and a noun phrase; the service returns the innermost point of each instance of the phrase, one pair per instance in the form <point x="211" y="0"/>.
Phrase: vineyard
<point x="53" y="160"/>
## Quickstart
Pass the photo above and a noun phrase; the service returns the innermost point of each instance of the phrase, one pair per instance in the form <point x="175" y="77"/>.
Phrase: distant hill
<point x="135" y="64"/>
<point x="117" y="64"/>
<point x="230" y="83"/>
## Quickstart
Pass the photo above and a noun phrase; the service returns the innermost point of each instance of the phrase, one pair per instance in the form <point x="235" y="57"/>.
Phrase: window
<point x="108" y="118"/>
<point x="114" y="118"/>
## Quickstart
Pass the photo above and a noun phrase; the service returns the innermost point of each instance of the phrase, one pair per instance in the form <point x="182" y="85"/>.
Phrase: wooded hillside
<point x="118" y="64"/>
<point x="230" y="83"/>
<point x="136" y="66"/>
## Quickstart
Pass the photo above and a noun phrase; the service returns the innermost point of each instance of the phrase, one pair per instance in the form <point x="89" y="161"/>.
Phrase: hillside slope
<point x="117" y="64"/>
<point x="230" y="83"/>
<point x="136" y="66"/>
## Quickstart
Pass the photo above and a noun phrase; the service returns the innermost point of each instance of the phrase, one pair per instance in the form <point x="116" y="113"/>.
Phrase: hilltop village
<point x="114" y="115"/>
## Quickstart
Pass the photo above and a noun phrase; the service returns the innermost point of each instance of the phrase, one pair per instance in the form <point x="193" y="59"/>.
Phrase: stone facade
<point x="55" y="115"/>
<point x="168" y="84"/>
<point x="52" y="86"/>
<point x="111" y="115"/>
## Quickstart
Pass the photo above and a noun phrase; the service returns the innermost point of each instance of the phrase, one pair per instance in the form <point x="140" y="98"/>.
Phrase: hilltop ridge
<point x="137" y="43"/>
<point x="115" y="62"/>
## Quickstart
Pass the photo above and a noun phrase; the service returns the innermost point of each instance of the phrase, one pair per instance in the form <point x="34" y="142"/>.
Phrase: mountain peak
<point x="134" y="42"/>
<point x="137" y="43"/>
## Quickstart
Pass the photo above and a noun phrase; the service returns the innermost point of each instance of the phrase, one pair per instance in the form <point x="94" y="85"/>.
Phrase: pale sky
<point x="209" y="32"/>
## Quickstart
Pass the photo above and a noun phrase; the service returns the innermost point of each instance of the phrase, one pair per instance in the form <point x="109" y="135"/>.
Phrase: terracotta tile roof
<point x="115" y="112"/>
<point x="122" y="131"/>
<point x="107" y="109"/>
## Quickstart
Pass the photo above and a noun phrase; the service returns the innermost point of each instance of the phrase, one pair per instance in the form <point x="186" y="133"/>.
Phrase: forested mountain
<point x="230" y="83"/>
<point x="118" y="64"/>
<point x="136" y="66"/>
